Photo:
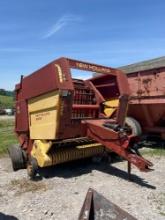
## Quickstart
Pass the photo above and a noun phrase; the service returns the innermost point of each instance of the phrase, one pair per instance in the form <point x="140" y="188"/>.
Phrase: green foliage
<point x="10" y="93"/>
<point x="6" y="102"/>
<point x="2" y="92"/>
<point x="6" y="92"/>
<point x="7" y="136"/>
<point x="159" y="151"/>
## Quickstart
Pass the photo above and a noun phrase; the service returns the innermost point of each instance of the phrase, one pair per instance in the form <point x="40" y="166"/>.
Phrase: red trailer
<point x="147" y="85"/>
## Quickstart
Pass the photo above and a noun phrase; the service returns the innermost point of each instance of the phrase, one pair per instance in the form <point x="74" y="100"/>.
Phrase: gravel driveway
<point x="60" y="193"/>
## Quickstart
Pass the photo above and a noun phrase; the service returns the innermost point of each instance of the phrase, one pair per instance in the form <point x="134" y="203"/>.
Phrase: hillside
<point x="6" y="101"/>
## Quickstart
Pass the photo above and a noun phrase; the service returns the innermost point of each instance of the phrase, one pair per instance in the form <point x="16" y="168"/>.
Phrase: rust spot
<point x="140" y="92"/>
<point x="146" y="81"/>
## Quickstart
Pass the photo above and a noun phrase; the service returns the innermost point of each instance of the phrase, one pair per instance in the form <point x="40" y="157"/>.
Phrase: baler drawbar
<point x="59" y="118"/>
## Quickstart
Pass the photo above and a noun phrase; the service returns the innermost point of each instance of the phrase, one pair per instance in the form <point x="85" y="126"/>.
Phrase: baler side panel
<point x="40" y="82"/>
<point x="21" y="116"/>
<point x="47" y="79"/>
<point x="52" y="77"/>
<point x="44" y="113"/>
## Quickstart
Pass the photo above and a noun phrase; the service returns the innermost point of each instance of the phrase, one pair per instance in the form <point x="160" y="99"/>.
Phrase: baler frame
<point x="109" y="131"/>
<point x="32" y="86"/>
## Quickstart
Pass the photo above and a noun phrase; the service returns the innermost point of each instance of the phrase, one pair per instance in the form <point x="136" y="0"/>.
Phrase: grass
<point x="7" y="135"/>
<point x="6" y="101"/>
<point x="153" y="152"/>
<point x="162" y="213"/>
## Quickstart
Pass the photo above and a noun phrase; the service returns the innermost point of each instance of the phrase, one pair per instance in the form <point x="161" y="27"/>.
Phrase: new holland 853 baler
<point x="59" y="119"/>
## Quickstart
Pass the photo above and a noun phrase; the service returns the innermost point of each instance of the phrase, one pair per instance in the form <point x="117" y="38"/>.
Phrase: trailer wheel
<point x="134" y="125"/>
<point x="17" y="157"/>
<point x="32" y="167"/>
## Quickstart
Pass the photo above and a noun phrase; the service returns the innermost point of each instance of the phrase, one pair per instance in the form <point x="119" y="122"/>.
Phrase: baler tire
<point x="17" y="158"/>
<point x="32" y="167"/>
<point x="134" y="125"/>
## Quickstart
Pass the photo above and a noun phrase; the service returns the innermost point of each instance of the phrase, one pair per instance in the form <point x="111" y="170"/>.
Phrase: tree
<point x="2" y="92"/>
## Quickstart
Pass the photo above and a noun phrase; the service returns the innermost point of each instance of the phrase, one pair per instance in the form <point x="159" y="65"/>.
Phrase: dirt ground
<point x="6" y="117"/>
<point x="60" y="191"/>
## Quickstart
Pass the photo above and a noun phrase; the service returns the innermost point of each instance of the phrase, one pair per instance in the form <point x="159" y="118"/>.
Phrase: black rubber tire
<point x="17" y="158"/>
<point x="32" y="167"/>
<point x="134" y="125"/>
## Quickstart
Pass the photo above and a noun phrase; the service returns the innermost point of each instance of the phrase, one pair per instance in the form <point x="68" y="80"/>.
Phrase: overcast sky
<point x="108" y="32"/>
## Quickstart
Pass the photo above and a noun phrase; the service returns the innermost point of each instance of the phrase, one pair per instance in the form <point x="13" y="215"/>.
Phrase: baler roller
<point x="47" y="154"/>
<point x="79" y="152"/>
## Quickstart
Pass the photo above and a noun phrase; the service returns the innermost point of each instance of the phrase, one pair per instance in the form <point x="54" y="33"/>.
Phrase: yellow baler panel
<point x="40" y="152"/>
<point x="44" y="116"/>
<point x="111" y="106"/>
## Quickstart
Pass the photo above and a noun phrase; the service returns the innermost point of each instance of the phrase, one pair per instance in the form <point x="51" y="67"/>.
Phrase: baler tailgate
<point x="115" y="141"/>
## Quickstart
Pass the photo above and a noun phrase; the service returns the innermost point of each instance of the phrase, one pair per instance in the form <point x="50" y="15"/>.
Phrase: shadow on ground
<point x="80" y="167"/>
<point x="7" y="217"/>
<point x="153" y="142"/>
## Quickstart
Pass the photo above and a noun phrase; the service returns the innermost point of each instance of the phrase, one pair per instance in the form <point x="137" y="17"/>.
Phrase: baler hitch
<point x="120" y="143"/>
